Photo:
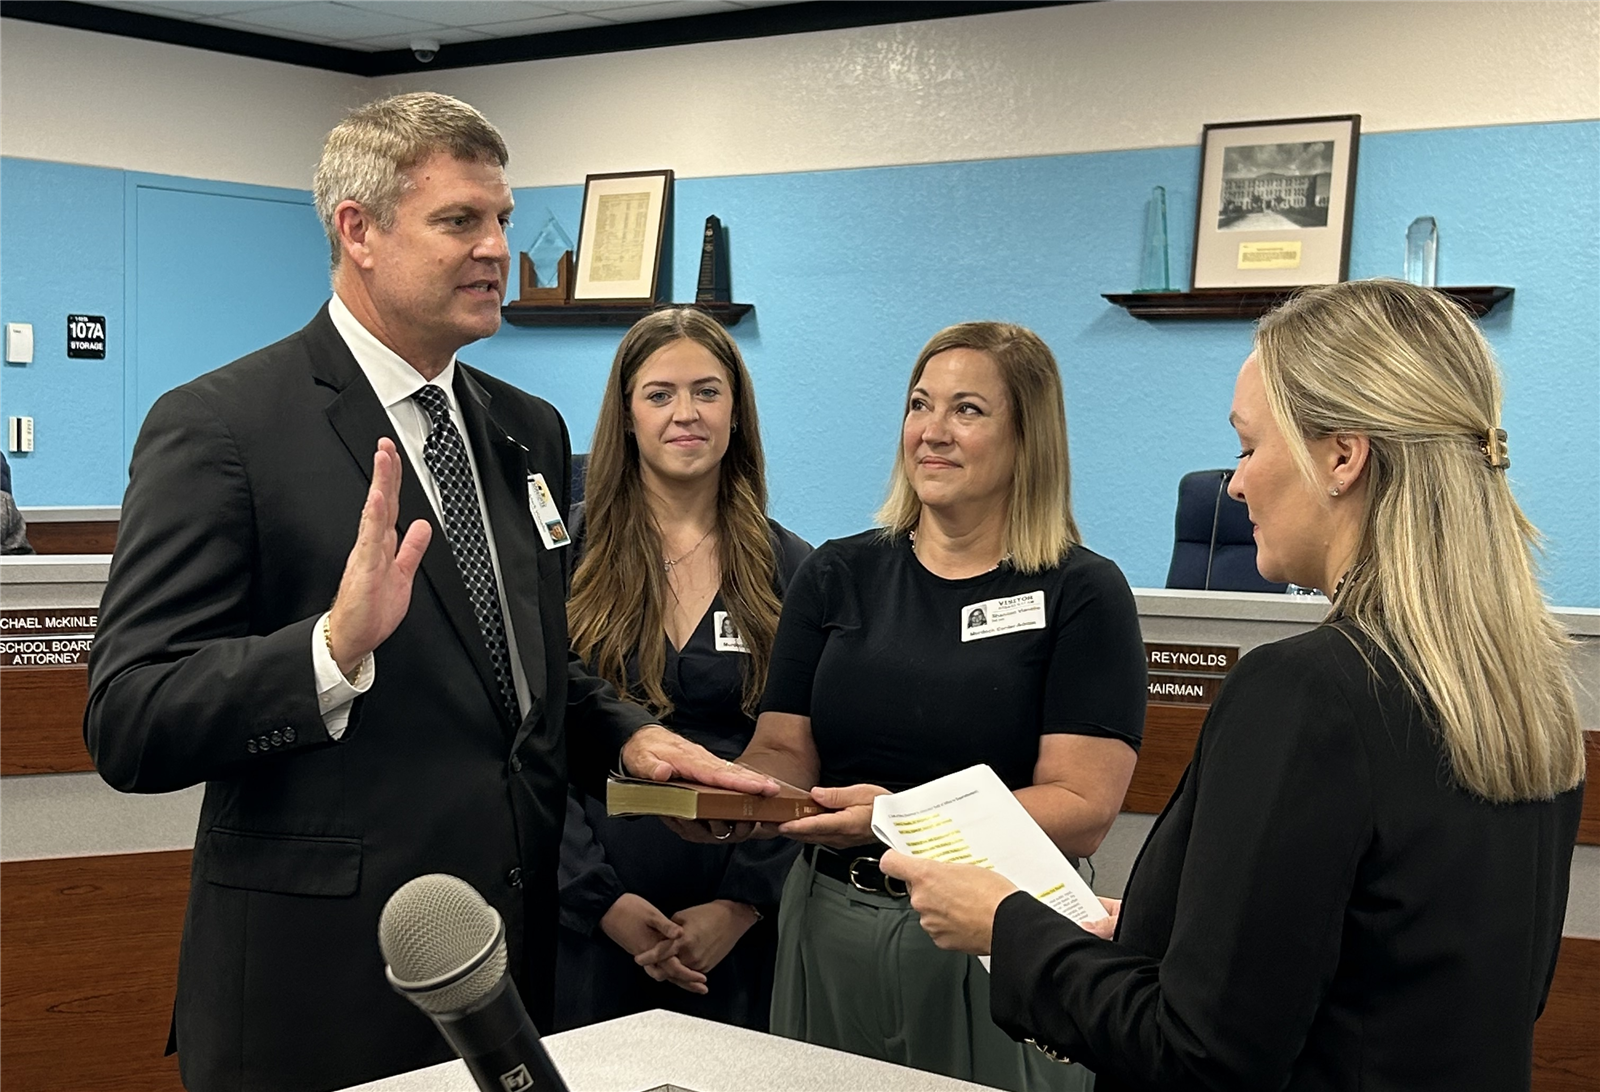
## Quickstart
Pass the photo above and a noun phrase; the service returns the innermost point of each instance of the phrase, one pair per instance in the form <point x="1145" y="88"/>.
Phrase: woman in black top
<point x="972" y="628"/>
<point x="675" y="601"/>
<point x="1361" y="881"/>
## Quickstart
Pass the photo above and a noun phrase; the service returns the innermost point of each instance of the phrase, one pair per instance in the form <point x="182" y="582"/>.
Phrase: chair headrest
<point x="1199" y="506"/>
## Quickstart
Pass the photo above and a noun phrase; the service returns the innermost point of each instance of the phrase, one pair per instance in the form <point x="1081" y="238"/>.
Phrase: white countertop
<point x="57" y="513"/>
<point x="640" y="1052"/>
<point x="54" y="568"/>
<point x="1304" y="609"/>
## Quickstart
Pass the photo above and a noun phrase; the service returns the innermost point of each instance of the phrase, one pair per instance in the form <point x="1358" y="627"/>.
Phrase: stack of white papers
<point x="971" y="817"/>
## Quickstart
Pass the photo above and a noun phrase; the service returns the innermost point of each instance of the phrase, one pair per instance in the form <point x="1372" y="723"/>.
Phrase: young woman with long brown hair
<point x="675" y="601"/>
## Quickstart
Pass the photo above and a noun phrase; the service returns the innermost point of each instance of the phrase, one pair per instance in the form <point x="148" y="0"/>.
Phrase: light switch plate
<point x="19" y="343"/>
<point x="21" y="434"/>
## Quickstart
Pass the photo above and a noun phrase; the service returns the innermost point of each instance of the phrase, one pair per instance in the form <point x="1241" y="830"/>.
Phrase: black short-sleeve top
<point x="907" y="676"/>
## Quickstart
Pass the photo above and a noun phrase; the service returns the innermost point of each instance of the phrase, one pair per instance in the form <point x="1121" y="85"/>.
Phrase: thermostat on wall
<point x="19" y="343"/>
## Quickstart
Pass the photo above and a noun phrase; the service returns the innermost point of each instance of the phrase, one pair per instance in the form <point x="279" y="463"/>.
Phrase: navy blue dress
<point x="602" y="858"/>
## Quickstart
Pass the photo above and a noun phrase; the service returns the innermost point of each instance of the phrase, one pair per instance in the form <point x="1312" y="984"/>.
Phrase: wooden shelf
<point x="1250" y="303"/>
<point x="610" y="314"/>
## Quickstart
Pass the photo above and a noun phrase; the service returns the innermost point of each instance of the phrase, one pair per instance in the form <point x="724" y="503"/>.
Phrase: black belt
<point x="857" y="868"/>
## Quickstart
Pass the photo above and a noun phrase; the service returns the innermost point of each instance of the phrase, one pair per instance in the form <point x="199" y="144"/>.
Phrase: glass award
<point x="1422" y="251"/>
<point x="1154" y="272"/>
<point x="545" y="253"/>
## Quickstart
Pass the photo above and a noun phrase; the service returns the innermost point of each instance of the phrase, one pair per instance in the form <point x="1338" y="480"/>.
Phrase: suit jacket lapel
<point x="503" y="468"/>
<point x="360" y="419"/>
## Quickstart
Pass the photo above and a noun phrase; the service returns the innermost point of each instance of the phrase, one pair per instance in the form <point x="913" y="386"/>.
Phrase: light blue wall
<point x="851" y="271"/>
<point x="189" y="274"/>
<point x="61" y="253"/>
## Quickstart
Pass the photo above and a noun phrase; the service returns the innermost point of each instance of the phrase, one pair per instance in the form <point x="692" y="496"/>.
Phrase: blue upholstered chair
<point x="1212" y="546"/>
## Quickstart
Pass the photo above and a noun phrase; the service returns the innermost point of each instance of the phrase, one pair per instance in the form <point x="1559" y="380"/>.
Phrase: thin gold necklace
<point x="668" y="564"/>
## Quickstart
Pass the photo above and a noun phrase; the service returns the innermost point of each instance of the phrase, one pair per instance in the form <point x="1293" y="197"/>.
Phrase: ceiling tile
<point x="191" y="10"/>
<point x="446" y="36"/>
<point x="459" y="13"/>
<point x="331" y="21"/>
<point x="665" y="9"/>
<point x="272" y="32"/>
<point x="589" y="7"/>
<point x="541" y="26"/>
<point x="371" y="25"/>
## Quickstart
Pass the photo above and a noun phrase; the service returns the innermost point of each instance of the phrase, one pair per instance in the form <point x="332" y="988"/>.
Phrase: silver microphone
<point x="445" y="949"/>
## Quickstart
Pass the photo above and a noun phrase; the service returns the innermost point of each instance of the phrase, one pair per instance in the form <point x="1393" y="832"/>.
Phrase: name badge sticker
<point x="992" y="617"/>
<point x="727" y="639"/>
<point x="546" y="517"/>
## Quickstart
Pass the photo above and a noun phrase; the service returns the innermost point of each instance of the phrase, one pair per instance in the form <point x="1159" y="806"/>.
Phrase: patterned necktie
<point x="446" y="456"/>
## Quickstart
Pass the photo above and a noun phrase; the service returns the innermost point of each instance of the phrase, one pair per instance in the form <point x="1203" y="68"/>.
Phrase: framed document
<point x="1275" y="202"/>
<point x="621" y="236"/>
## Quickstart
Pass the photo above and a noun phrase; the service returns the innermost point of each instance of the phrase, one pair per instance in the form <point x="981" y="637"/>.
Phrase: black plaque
<point x="86" y="337"/>
<point x="714" y="286"/>
<point x="47" y="637"/>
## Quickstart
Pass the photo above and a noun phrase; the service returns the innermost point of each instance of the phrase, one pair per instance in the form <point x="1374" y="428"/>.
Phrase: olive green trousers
<point x="857" y="973"/>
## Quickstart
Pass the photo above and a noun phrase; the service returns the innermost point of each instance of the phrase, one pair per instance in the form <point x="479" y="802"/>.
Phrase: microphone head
<point x="444" y="945"/>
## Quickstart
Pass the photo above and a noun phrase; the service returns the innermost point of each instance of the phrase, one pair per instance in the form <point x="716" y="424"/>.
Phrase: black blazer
<point x="1316" y="909"/>
<point x="243" y="502"/>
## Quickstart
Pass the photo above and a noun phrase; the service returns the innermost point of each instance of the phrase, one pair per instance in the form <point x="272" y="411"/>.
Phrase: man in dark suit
<point x="422" y="723"/>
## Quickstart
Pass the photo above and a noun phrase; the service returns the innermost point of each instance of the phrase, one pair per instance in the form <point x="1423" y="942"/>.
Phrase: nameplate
<point x="1186" y="674"/>
<point x="1190" y="659"/>
<point x="47" y="637"/>
<point x="1184" y="689"/>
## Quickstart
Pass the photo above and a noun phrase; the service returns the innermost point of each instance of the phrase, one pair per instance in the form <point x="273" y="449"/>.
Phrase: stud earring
<point x="1334" y="492"/>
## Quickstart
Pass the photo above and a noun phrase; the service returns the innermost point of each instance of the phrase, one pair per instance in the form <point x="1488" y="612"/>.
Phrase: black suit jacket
<point x="1318" y="907"/>
<point x="243" y="502"/>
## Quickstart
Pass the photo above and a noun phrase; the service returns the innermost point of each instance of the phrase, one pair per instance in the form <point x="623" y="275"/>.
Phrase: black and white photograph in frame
<point x="1275" y="202"/>
<point x="1270" y="186"/>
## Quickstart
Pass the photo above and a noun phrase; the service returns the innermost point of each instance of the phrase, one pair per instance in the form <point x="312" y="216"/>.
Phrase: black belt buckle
<point x="883" y="886"/>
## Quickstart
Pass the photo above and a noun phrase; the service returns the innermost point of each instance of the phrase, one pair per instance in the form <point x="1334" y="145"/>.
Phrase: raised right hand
<point x="375" y="591"/>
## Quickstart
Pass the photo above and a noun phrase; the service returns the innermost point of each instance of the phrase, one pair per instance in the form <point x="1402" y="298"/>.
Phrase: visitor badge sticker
<point x="992" y="617"/>
<point x="728" y="640"/>
<point x="542" y="506"/>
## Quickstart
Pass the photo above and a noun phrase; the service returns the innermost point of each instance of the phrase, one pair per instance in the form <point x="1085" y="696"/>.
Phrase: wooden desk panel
<point x="1566" y="1050"/>
<point x="41" y="720"/>
<point x="84" y="537"/>
<point x="88" y="971"/>
<point x="1589" y="825"/>
<point x="89" y="955"/>
<point x="1170" y="732"/>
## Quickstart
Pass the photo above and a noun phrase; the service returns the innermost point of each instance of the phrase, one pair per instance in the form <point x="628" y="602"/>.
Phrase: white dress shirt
<point x="395" y="382"/>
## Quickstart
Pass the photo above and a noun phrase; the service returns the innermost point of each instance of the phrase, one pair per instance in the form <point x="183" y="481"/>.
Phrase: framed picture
<point x="621" y="235"/>
<point x="1275" y="202"/>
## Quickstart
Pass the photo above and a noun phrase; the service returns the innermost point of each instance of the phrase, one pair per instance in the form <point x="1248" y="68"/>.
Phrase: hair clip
<point x="1495" y="451"/>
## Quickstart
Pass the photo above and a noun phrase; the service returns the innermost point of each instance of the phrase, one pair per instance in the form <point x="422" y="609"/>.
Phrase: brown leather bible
<point x="689" y="800"/>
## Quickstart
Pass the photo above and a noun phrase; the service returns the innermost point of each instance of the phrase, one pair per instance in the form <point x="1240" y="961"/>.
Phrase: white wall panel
<point x="96" y="99"/>
<point x="1092" y="77"/>
<point x="1085" y="78"/>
